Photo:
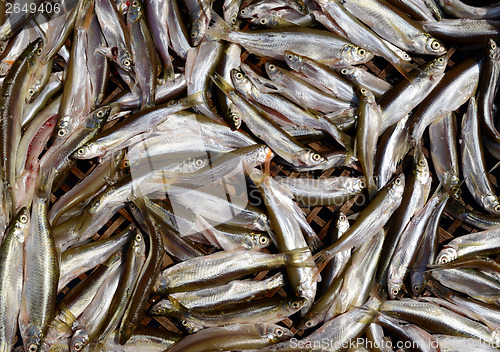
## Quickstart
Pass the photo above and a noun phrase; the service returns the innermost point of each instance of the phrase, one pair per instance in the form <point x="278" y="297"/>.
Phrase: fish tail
<point x="321" y="259"/>
<point x="220" y="29"/>
<point x="45" y="182"/>
<point x="194" y="99"/>
<point x="300" y="257"/>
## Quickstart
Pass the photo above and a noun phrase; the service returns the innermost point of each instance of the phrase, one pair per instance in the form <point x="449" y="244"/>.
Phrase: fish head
<point x="199" y="28"/>
<point x="33" y="338"/>
<point x="309" y="321"/>
<point x="397" y="186"/>
<point x="447" y="255"/>
<point x="124" y="59"/>
<point x="64" y="128"/>
<point x="241" y="81"/>
<point x="366" y="95"/>
<point x="293" y="305"/>
<point x="88" y="151"/>
<point x="273" y="332"/>
<point x="293" y="60"/>
<point x="256" y="240"/>
<point x="433" y="46"/>
<point x="79" y="340"/>
<point x="273" y="71"/>
<point x="342" y="223"/>
<point x="98" y="117"/>
<point x="309" y="157"/>
<point x="437" y="66"/>
<point x="491" y="204"/>
<point x="353" y="54"/>
<point x="493" y="50"/>
<point x="417" y="280"/>
<point x="163" y="307"/>
<point x="394" y="284"/>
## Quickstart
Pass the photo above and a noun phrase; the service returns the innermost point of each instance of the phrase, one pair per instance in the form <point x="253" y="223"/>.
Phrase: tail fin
<point x="321" y="259"/>
<point x="193" y="99"/>
<point x="223" y="85"/>
<point x="220" y="29"/>
<point x="300" y="257"/>
<point x="45" y="182"/>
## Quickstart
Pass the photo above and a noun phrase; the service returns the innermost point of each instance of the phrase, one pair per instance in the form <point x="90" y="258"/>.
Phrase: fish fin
<point x="300" y="257"/>
<point x="321" y="259"/>
<point x="106" y="52"/>
<point x="222" y="84"/>
<point x="267" y="163"/>
<point x="177" y="305"/>
<point x="194" y="99"/>
<point x="45" y="182"/>
<point x="494" y="167"/>
<point x="220" y="29"/>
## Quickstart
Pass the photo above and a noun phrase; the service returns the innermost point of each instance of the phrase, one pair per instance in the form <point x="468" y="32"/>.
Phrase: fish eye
<point x="23" y="218"/>
<point x="263" y="240"/>
<point x="421" y="162"/>
<point x="32" y="347"/>
<point x="81" y="151"/>
<point x="316" y="157"/>
<point x="194" y="34"/>
<point x="397" y="181"/>
<point x="342" y="217"/>
<point x="435" y="45"/>
<point x="78" y="346"/>
<point x="126" y="163"/>
<point x="295" y="305"/>
<point x="243" y="12"/>
<point x="493" y="45"/>
<point x="31" y="91"/>
<point x="62" y="132"/>
<point x="263" y="21"/>
<point x="272" y="67"/>
<point x="309" y="324"/>
<point x="39" y="51"/>
<point x="126" y="62"/>
<point x="301" y="8"/>
<point x="100" y="114"/>
<point x="290" y="57"/>
<point x="406" y="56"/>
<point x="417" y="288"/>
<point x="444" y="260"/>
<point x="239" y="76"/>
<point x="395" y="291"/>
<point x="138" y="237"/>
<point x="363" y="91"/>
<point x="278" y="332"/>
<point x="362" y="52"/>
<point x="236" y="118"/>
<point x="135" y="4"/>
<point x="233" y="20"/>
<point x="198" y="162"/>
<point x="440" y="60"/>
<point x="344" y="71"/>
<point x="497" y="208"/>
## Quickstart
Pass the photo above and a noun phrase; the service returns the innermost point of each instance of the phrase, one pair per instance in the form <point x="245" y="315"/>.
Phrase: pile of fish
<point x="272" y="175"/>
